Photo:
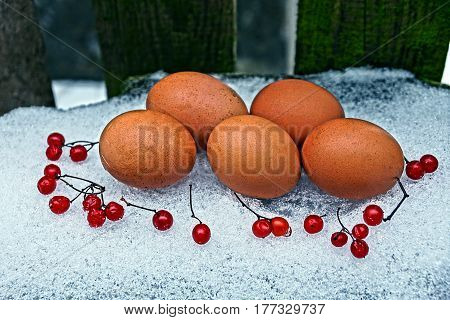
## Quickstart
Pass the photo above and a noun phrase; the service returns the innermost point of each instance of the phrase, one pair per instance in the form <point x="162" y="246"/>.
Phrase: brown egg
<point x="197" y="100"/>
<point x="254" y="156"/>
<point x="352" y="158"/>
<point x="298" y="106"/>
<point x="147" y="149"/>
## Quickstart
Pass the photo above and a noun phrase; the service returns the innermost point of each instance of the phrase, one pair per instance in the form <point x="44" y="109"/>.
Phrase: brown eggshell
<point x="147" y="149"/>
<point x="254" y="156"/>
<point x="298" y="106"/>
<point x="352" y="158"/>
<point x="199" y="101"/>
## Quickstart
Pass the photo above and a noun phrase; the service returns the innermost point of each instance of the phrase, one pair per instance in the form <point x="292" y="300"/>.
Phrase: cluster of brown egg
<point x="292" y="123"/>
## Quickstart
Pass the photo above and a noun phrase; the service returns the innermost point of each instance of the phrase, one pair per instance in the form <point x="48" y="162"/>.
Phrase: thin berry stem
<point x="406" y="160"/>
<point x="103" y="200"/>
<point x="90" y="187"/>
<point x="344" y="229"/>
<point x="82" y="190"/>
<point x="289" y="233"/>
<point x="136" y="206"/>
<point x="190" y="204"/>
<point x="405" y="195"/>
<point x="83" y="143"/>
<point x="248" y="208"/>
<point x="80" y="193"/>
<point x="94" y="184"/>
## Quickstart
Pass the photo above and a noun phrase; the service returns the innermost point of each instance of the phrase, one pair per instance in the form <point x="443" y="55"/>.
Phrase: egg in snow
<point x="254" y="156"/>
<point x="199" y="101"/>
<point x="147" y="149"/>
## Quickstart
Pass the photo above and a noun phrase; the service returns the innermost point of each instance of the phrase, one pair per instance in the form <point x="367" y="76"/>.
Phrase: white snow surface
<point x="45" y="256"/>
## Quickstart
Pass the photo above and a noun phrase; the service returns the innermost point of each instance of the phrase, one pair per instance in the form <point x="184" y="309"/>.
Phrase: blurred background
<point x="248" y="36"/>
<point x="266" y="44"/>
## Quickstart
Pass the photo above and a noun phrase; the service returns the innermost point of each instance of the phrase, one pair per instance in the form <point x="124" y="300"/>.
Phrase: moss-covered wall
<point x="138" y="37"/>
<point x="409" y="34"/>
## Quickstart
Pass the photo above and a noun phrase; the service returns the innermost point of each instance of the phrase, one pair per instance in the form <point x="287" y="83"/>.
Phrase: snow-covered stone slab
<point x="45" y="256"/>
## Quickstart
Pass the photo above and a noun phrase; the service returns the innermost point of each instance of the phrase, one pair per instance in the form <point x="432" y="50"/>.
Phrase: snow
<point x="45" y="256"/>
<point x="72" y="93"/>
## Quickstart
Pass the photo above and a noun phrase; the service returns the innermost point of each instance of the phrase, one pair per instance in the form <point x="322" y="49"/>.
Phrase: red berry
<point x="429" y="163"/>
<point x="96" y="218"/>
<point x="201" y="233"/>
<point x="373" y="215"/>
<point x="339" y="239"/>
<point x="261" y="228"/>
<point x="46" y="185"/>
<point x="91" y="202"/>
<point x="114" y="211"/>
<point x="52" y="171"/>
<point x="313" y="224"/>
<point x="162" y="220"/>
<point x="56" y="139"/>
<point x="414" y="170"/>
<point x="360" y="231"/>
<point x="78" y="153"/>
<point x="359" y="249"/>
<point x="59" y="204"/>
<point x="53" y="153"/>
<point x="280" y="226"/>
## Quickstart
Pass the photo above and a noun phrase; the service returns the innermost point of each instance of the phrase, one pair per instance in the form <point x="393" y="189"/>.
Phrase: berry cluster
<point x="263" y="226"/>
<point x="359" y="248"/>
<point x="415" y="170"/>
<point x="163" y="221"/>
<point x="373" y="215"/>
<point x="78" y="149"/>
<point x="93" y="201"/>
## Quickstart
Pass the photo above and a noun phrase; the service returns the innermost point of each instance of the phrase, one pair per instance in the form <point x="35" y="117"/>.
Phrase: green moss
<point x="335" y="34"/>
<point x="138" y="37"/>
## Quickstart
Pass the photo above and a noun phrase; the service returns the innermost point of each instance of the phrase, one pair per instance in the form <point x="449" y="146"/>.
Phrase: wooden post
<point x="23" y="79"/>
<point x="138" y="37"/>
<point x="408" y="34"/>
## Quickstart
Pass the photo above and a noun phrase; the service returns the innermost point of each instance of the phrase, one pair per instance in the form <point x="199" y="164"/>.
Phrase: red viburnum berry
<point x="78" y="153"/>
<point x="56" y="139"/>
<point x="96" y="218"/>
<point x="92" y="202"/>
<point x="201" y="233"/>
<point x="313" y="224"/>
<point x="46" y="185"/>
<point x="114" y="211"/>
<point x="373" y="215"/>
<point x="162" y="220"/>
<point x="429" y="163"/>
<point x="59" y="204"/>
<point x="280" y="226"/>
<point x="359" y="249"/>
<point x="52" y="171"/>
<point x="414" y="170"/>
<point x="261" y="228"/>
<point x="339" y="239"/>
<point x="53" y="152"/>
<point x="360" y="231"/>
